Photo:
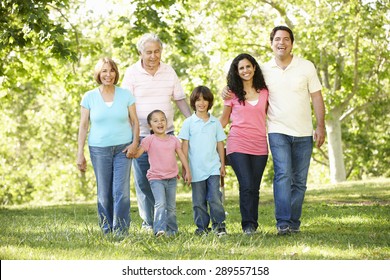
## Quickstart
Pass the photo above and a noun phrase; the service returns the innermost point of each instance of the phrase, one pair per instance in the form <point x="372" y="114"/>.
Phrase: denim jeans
<point x="144" y="193"/>
<point x="291" y="157"/>
<point x="164" y="192"/>
<point x="204" y="192"/>
<point x="112" y="171"/>
<point x="249" y="171"/>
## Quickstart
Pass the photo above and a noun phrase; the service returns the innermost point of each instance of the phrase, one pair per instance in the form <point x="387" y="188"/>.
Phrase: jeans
<point x="291" y="157"/>
<point x="164" y="192"/>
<point x="144" y="193"/>
<point x="112" y="171"/>
<point x="249" y="171"/>
<point x="204" y="192"/>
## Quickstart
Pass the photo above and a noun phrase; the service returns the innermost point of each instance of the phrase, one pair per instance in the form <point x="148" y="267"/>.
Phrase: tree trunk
<point x="335" y="149"/>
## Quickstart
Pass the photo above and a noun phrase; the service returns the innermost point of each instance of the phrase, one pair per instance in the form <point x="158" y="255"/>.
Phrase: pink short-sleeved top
<point x="162" y="156"/>
<point x="248" y="132"/>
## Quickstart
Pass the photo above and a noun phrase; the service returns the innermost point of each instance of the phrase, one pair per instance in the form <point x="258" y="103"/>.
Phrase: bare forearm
<point x="183" y="107"/>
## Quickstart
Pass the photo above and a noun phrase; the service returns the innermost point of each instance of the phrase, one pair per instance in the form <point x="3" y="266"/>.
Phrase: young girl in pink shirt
<point x="246" y="145"/>
<point x="162" y="175"/>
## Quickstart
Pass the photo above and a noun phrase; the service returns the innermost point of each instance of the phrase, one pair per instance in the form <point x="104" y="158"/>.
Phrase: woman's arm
<point x="83" y="131"/>
<point x="224" y="119"/>
<point x="131" y="150"/>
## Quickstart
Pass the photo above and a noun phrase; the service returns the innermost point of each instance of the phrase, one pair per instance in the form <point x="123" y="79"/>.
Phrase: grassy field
<point x="348" y="221"/>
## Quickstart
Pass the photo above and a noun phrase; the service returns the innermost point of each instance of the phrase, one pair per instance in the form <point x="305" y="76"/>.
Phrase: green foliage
<point x="48" y="50"/>
<point x="340" y="222"/>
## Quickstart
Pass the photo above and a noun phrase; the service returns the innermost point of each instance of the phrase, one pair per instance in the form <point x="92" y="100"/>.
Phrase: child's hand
<point x="223" y="171"/>
<point x="187" y="178"/>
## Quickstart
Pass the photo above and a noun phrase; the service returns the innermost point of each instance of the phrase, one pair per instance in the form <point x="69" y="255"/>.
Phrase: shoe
<point x="249" y="231"/>
<point x="160" y="233"/>
<point x="220" y="232"/>
<point x="295" y="230"/>
<point x="283" y="230"/>
<point x="147" y="229"/>
<point x="201" y="232"/>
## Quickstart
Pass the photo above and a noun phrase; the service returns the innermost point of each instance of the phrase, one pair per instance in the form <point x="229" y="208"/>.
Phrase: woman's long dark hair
<point x="234" y="81"/>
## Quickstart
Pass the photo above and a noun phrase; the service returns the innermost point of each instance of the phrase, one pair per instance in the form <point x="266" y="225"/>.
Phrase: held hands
<point x="186" y="176"/>
<point x="130" y="150"/>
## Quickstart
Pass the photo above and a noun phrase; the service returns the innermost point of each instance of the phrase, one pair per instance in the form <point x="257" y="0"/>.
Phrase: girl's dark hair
<point x="234" y="81"/>
<point x="205" y="92"/>
<point x="149" y="117"/>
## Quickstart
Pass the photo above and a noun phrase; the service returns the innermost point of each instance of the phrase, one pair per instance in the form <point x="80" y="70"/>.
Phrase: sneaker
<point x="201" y="232"/>
<point x="147" y="229"/>
<point x="295" y="230"/>
<point x="160" y="233"/>
<point x="283" y="230"/>
<point x="220" y="232"/>
<point x="249" y="231"/>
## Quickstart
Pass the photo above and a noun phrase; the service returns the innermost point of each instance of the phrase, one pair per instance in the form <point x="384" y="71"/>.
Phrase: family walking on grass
<point x="132" y="126"/>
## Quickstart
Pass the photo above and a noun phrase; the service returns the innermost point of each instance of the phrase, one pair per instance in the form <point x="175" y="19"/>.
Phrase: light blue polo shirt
<point x="110" y="126"/>
<point x="202" y="152"/>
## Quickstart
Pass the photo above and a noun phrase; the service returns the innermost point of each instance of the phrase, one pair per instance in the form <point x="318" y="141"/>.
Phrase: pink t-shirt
<point x="248" y="133"/>
<point x="162" y="156"/>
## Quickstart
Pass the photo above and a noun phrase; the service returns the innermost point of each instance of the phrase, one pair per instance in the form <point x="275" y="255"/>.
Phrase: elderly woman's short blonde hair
<point x="99" y="66"/>
<point x="148" y="37"/>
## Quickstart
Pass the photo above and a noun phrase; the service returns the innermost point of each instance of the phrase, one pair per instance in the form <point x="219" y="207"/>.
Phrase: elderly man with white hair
<point x="154" y="84"/>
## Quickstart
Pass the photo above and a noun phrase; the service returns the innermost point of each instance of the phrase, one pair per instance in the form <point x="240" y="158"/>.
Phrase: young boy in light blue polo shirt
<point x="202" y="142"/>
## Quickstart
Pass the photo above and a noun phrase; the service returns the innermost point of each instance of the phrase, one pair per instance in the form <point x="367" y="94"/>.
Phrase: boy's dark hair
<point x="205" y="92"/>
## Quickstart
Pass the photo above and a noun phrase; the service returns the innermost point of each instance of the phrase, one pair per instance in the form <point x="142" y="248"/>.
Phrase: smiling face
<point x="107" y="75"/>
<point x="158" y="123"/>
<point x="246" y="70"/>
<point x="201" y="105"/>
<point x="151" y="55"/>
<point x="282" y="44"/>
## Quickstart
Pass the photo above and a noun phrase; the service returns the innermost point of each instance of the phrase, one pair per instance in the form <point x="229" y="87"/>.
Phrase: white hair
<point x="148" y="37"/>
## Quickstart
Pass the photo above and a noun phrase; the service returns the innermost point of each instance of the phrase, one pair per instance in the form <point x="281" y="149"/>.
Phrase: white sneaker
<point x="160" y="233"/>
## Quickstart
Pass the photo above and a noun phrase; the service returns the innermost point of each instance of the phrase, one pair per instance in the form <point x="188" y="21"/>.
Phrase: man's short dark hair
<point x="281" y="27"/>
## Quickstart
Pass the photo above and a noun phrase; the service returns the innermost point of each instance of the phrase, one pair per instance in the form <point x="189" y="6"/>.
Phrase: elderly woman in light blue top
<point x="202" y="142"/>
<point x="113" y="138"/>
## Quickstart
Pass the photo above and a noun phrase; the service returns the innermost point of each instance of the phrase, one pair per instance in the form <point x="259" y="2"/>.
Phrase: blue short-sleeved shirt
<point x="202" y="141"/>
<point x="110" y="126"/>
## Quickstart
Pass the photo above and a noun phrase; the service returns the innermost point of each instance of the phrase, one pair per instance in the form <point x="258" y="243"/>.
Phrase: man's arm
<point x="183" y="107"/>
<point x="319" y="111"/>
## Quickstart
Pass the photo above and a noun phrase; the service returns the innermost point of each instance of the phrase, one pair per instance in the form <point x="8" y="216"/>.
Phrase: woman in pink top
<point x="162" y="149"/>
<point x="246" y="145"/>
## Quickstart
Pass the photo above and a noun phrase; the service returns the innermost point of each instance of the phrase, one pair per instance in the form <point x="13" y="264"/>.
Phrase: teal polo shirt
<point x="202" y="152"/>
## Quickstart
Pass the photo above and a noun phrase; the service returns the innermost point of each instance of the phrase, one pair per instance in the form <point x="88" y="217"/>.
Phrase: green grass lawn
<point x="348" y="221"/>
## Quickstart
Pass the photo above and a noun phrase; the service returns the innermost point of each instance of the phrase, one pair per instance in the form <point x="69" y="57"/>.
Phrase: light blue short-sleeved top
<point x="202" y="141"/>
<point x="110" y="126"/>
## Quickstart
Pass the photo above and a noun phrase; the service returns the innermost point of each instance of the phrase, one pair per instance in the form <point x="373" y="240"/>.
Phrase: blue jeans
<point x="249" y="171"/>
<point x="291" y="156"/>
<point x="204" y="192"/>
<point x="164" y="192"/>
<point x="112" y="171"/>
<point x="144" y="193"/>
